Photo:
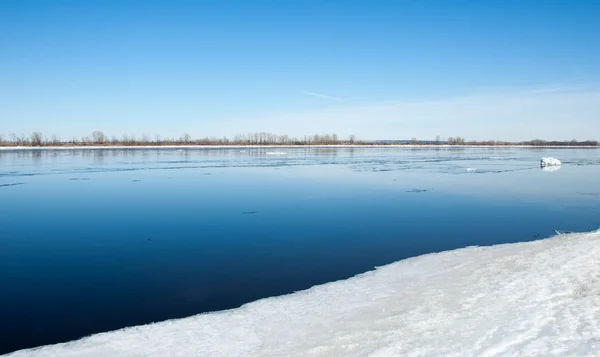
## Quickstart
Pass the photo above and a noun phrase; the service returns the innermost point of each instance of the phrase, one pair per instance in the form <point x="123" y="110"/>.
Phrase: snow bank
<point x="550" y="161"/>
<point x="528" y="299"/>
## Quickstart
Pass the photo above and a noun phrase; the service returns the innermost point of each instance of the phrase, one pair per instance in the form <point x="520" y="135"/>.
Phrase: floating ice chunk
<point x="276" y="153"/>
<point x="550" y="161"/>
<point x="525" y="299"/>
<point x="470" y="169"/>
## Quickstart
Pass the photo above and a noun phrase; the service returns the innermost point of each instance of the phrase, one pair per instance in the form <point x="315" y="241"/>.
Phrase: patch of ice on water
<point x="526" y="299"/>
<point x="276" y="153"/>
<point x="470" y="169"/>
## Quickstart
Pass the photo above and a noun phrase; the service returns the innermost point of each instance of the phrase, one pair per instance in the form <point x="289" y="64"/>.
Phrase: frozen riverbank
<point x="536" y="298"/>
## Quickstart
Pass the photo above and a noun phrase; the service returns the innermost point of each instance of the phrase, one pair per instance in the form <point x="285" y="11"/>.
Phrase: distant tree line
<point x="536" y="142"/>
<point x="98" y="138"/>
<point x="573" y="142"/>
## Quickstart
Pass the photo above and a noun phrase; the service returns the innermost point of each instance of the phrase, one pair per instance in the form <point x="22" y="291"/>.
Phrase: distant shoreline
<point x="252" y="146"/>
<point x="98" y="140"/>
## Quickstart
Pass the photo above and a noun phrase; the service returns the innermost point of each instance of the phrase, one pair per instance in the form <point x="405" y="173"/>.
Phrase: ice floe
<point x="550" y="161"/>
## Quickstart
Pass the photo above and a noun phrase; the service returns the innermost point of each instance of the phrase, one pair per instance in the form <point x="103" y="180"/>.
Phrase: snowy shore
<point x="538" y="298"/>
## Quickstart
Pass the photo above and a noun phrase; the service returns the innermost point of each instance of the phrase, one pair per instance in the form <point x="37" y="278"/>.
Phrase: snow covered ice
<point x="538" y="298"/>
<point x="550" y="161"/>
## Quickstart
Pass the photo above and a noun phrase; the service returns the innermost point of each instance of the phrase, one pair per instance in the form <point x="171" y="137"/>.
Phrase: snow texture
<point x="550" y="161"/>
<point x="539" y="298"/>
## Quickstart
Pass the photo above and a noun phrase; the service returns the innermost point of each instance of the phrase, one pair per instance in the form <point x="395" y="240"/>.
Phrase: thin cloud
<point x="557" y="89"/>
<point x="322" y="96"/>
<point x="552" y="113"/>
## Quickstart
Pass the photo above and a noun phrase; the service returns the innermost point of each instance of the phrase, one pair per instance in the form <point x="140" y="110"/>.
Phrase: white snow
<point x="550" y="161"/>
<point x="539" y="298"/>
<point x="276" y="153"/>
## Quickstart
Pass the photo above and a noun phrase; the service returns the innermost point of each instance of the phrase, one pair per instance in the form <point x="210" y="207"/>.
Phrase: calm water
<point x="97" y="240"/>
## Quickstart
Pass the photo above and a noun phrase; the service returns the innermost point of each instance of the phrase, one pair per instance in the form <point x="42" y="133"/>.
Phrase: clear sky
<point x="397" y="69"/>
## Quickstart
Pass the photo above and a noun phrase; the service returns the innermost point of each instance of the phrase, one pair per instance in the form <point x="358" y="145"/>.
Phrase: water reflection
<point x="551" y="168"/>
<point x="453" y="160"/>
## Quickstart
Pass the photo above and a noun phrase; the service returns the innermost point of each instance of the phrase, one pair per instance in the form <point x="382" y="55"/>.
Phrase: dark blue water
<point x="97" y="240"/>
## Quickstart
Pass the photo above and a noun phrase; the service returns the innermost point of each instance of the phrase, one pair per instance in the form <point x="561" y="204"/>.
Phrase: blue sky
<point x="508" y="69"/>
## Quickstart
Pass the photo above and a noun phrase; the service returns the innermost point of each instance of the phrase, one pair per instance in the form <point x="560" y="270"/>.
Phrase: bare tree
<point x="456" y="141"/>
<point x="186" y="138"/>
<point x="351" y="139"/>
<point x="98" y="137"/>
<point x="37" y="138"/>
<point x="23" y="141"/>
